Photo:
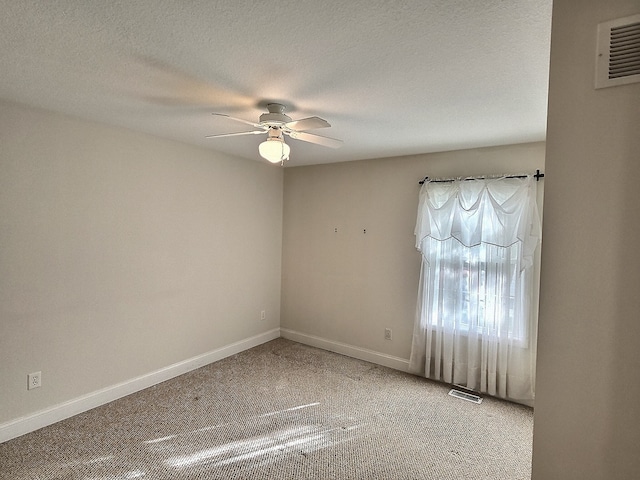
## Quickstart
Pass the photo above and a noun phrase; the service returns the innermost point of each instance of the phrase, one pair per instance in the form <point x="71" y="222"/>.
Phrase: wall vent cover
<point x="618" y="55"/>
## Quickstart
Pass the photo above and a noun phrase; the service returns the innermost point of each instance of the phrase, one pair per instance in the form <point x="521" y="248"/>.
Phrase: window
<point x="482" y="283"/>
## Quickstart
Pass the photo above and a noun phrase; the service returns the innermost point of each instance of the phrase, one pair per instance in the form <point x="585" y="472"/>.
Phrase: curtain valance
<point x="499" y="212"/>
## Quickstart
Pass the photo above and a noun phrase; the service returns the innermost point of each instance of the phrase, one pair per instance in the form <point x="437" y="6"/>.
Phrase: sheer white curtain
<point x="474" y="325"/>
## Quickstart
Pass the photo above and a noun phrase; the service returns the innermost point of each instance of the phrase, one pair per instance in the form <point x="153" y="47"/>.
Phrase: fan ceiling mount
<point x="276" y="124"/>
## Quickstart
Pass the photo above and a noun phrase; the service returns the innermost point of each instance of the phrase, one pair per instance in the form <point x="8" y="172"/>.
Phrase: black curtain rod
<point x="538" y="175"/>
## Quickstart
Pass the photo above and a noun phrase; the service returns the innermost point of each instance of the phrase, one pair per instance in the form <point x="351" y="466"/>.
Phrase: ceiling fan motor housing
<point x="276" y="116"/>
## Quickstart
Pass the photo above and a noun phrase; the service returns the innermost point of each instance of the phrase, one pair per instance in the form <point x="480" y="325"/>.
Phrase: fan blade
<point x="252" y="132"/>
<point x="317" y="139"/>
<point x="310" y="123"/>
<point x="257" y="125"/>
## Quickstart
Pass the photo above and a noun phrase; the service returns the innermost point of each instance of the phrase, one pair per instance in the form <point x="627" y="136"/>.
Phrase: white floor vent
<point x="618" y="55"/>
<point x="465" y="396"/>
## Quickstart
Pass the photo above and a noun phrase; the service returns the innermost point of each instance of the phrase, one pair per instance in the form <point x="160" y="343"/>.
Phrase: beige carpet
<point x="282" y="410"/>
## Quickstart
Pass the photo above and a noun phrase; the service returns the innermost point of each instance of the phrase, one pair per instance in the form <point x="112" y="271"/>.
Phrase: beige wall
<point x="123" y="253"/>
<point x="587" y="417"/>
<point x="347" y="286"/>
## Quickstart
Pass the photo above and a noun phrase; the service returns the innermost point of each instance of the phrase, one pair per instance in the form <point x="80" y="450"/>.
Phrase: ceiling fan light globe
<point x="274" y="150"/>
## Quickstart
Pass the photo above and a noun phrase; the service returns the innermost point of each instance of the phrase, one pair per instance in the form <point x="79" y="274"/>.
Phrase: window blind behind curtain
<point x="474" y="324"/>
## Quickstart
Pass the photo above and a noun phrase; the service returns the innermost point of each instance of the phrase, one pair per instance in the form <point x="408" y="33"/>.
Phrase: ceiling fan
<point x="276" y="124"/>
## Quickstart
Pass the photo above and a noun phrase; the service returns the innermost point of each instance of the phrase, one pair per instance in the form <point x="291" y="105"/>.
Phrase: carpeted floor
<point x="281" y="411"/>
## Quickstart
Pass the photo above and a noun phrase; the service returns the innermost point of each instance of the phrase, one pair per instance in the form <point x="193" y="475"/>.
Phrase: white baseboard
<point x="372" y="356"/>
<point x="51" y="415"/>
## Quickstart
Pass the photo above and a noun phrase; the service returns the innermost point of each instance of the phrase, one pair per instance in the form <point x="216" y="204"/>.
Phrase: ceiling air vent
<point x="618" y="60"/>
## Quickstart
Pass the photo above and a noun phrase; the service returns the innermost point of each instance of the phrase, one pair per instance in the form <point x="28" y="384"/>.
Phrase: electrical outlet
<point x="263" y="315"/>
<point x="34" y="380"/>
<point x="388" y="334"/>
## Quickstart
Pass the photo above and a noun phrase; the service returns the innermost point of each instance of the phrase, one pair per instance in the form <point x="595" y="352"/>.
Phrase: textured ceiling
<point x="392" y="77"/>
